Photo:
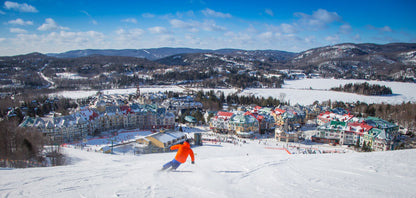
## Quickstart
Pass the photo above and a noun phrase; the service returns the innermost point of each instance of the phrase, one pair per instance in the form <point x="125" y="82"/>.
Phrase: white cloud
<point x="208" y="12"/>
<point x="50" y="24"/>
<point x="332" y="39"/>
<point x="252" y="29"/>
<point x="386" y="29"/>
<point x="18" y="30"/>
<point x="266" y="35"/>
<point x="148" y="15"/>
<point x="130" y="20"/>
<point x="131" y="34"/>
<point x="129" y="38"/>
<point x="20" y="21"/>
<point x="284" y="28"/>
<point x="195" y="26"/>
<point x="185" y="14"/>
<point x="167" y="39"/>
<point x="1" y="12"/>
<point x="319" y="19"/>
<point x="210" y="25"/>
<point x="288" y="28"/>
<point x="357" y="38"/>
<point x="269" y="12"/>
<point x="76" y="38"/>
<point x="345" y="29"/>
<point x="309" y="39"/>
<point x="238" y="39"/>
<point x="57" y="41"/>
<point x="24" y="7"/>
<point x="2" y="39"/>
<point x="93" y="21"/>
<point x="158" y="30"/>
<point x="190" y="26"/>
<point x="176" y="23"/>
<point x="382" y="29"/>
<point x="193" y="40"/>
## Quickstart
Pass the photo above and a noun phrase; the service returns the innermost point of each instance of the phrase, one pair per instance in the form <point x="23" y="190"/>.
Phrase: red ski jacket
<point x="183" y="151"/>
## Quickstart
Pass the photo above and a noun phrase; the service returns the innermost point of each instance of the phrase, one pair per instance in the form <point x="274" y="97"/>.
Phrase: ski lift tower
<point x="138" y="91"/>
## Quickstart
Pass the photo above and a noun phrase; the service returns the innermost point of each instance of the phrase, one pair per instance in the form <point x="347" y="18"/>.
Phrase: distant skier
<point x="183" y="151"/>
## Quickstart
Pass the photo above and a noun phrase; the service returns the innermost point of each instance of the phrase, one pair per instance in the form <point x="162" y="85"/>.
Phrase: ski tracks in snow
<point x="262" y="166"/>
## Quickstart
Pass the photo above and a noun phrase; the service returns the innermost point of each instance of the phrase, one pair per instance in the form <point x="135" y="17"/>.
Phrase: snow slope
<point x="221" y="170"/>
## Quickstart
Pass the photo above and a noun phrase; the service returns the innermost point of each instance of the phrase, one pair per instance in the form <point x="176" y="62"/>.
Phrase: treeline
<point x="249" y="100"/>
<point x="214" y="100"/>
<point x="210" y="100"/>
<point x="189" y="75"/>
<point x="22" y="147"/>
<point x="18" y="143"/>
<point x="364" y="89"/>
<point x="246" y="81"/>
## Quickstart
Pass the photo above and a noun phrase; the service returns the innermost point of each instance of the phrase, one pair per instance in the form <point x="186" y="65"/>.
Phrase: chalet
<point x="288" y="115"/>
<point x="243" y="125"/>
<point x="91" y="121"/>
<point x="267" y="121"/>
<point x="220" y="122"/>
<point x="376" y="133"/>
<point x="328" y="116"/>
<point x="284" y="134"/>
<point x="331" y="133"/>
<point x="381" y="137"/>
<point x="166" y="139"/>
<point x="355" y="133"/>
<point x="278" y="116"/>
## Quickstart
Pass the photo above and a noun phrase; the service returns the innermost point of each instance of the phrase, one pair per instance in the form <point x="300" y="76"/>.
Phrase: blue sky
<point x="49" y="26"/>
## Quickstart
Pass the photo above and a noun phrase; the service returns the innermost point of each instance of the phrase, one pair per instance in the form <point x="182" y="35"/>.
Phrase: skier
<point x="183" y="151"/>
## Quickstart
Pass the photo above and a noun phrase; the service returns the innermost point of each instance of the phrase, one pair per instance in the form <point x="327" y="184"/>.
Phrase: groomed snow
<point x="254" y="169"/>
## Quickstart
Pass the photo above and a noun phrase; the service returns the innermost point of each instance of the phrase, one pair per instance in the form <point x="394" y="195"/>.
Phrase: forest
<point x="364" y="89"/>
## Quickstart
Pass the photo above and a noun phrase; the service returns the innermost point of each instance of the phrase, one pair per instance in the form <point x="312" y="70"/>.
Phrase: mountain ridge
<point x="209" y="68"/>
<point x="149" y="53"/>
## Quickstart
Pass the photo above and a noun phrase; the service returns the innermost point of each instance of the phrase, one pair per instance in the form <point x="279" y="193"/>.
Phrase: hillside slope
<point x="221" y="170"/>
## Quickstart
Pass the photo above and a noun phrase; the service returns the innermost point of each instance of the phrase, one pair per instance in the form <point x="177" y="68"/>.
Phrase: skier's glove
<point x="193" y="162"/>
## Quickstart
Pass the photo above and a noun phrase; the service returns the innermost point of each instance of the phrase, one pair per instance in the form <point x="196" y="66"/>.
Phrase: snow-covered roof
<point x="243" y="119"/>
<point x="168" y="136"/>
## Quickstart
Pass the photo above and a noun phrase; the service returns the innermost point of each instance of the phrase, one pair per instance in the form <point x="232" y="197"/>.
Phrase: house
<point x="355" y="133"/>
<point x="244" y="125"/>
<point x="267" y="121"/>
<point x="376" y="133"/>
<point x="220" y="122"/>
<point x="331" y="133"/>
<point x="382" y="136"/>
<point x="179" y="103"/>
<point x="166" y="139"/>
<point x="328" y="116"/>
<point x="91" y="121"/>
<point x="277" y="114"/>
<point x="286" y="134"/>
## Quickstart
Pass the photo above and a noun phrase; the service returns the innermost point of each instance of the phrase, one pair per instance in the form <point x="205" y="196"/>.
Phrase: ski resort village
<point x="265" y="142"/>
<point x="167" y="117"/>
<point x="116" y="145"/>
